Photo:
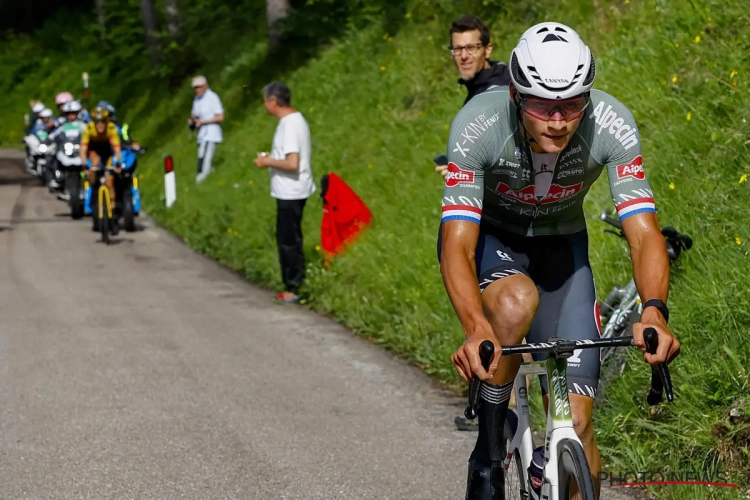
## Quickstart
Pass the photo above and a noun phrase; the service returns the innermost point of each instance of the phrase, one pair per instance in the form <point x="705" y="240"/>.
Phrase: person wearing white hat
<point x="205" y="117"/>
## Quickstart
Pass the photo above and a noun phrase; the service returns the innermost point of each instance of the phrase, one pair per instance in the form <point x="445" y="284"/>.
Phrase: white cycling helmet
<point x="46" y="113"/>
<point x="552" y="62"/>
<point x="38" y="108"/>
<point x="72" y="107"/>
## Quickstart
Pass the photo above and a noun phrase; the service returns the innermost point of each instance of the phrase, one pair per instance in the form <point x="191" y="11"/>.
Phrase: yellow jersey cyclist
<point x="513" y="247"/>
<point x="100" y="146"/>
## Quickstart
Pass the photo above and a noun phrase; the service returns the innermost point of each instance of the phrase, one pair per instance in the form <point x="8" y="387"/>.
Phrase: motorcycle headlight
<point x="42" y="148"/>
<point x="69" y="148"/>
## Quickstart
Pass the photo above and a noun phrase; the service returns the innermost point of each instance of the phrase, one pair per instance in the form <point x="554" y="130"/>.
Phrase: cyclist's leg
<point x="91" y="172"/>
<point x="567" y="309"/>
<point x="110" y="181"/>
<point x="509" y="299"/>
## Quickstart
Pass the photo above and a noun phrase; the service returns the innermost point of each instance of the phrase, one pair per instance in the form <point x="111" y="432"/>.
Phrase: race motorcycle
<point x="39" y="150"/>
<point x="67" y="177"/>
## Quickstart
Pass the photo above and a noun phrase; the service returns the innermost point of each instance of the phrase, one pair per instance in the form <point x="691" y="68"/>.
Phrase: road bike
<point x="565" y="468"/>
<point x="622" y="307"/>
<point x="104" y="220"/>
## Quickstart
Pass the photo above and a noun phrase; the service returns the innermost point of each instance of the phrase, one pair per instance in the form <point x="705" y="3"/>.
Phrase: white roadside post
<point x="170" y="182"/>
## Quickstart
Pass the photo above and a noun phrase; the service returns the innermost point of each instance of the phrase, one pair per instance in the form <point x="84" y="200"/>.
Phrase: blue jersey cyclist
<point x="513" y="246"/>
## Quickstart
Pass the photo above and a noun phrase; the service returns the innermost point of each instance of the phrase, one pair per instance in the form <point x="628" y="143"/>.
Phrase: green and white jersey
<point x="494" y="176"/>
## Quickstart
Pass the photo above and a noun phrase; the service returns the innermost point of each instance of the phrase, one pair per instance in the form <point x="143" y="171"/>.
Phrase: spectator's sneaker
<point x="288" y="298"/>
<point x="464" y="424"/>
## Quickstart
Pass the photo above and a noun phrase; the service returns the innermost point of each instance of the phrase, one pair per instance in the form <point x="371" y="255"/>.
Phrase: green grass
<point x="379" y="104"/>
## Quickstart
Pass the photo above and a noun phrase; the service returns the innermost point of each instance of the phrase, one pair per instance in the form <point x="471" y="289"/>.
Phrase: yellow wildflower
<point x="671" y="185"/>
<point x="709" y="19"/>
<point x="743" y="179"/>
<point x="738" y="240"/>
<point x="674" y="79"/>
<point x="408" y="15"/>
<point x="734" y="83"/>
<point x="369" y="166"/>
<point x="689" y="116"/>
<point x="677" y="45"/>
<point x="732" y="74"/>
<point x="429" y="37"/>
<point x="446" y="127"/>
<point x="317" y="247"/>
<point x="229" y="230"/>
<point x="251" y="182"/>
<point x="382" y="68"/>
<point x="420" y="113"/>
<point x="697" y="39"/>
<point x="385" y="37"/>
<point x="398" y="51"/>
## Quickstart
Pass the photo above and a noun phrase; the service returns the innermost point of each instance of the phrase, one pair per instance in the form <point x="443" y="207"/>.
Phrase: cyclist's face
<point x="71" y="116"/>
<point x="551" y="123"/>
<point x="469" y="54"/>
<point x="101" y="127"/>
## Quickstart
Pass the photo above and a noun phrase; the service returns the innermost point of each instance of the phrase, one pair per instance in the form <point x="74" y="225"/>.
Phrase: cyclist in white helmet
<point x="513" y="247"/>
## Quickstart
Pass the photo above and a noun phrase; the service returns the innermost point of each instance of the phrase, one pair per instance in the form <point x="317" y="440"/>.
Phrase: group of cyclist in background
<point x="78" y="141"/>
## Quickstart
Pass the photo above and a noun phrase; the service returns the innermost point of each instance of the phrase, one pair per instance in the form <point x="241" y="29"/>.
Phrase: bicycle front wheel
<point x="515" y="475"/>
<point x="573" y="472"/>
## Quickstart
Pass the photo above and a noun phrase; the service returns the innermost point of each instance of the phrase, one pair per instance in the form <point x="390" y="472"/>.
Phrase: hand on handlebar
<point x="668" y="346"/>
<point x="442" y="169"/>
<point x="467" y="361"/>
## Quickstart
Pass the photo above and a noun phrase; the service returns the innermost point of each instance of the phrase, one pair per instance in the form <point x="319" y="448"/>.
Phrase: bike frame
<point x="559" y="421"/>
<point x="628" y="301"/>
<point x="103" y="194"/>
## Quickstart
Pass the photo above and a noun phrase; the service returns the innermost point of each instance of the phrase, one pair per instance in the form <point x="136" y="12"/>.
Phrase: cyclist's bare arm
<point x="458" y="268"/>
<point x="648" y="252"/>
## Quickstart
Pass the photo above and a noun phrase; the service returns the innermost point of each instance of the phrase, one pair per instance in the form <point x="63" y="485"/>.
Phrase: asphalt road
<point x="142" y="370"/>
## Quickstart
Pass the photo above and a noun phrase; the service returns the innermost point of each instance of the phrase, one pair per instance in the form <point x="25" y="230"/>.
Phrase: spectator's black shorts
<point x="559" y="266"/>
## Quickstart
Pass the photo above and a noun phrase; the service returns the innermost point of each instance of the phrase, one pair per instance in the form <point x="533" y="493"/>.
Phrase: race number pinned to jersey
<point x="457" y="176"/>
<point x="633" y="169"/>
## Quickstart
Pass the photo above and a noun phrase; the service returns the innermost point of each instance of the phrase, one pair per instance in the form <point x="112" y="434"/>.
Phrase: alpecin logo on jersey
<point x="632" y="169"/>
<point x="527" y="195"/>
<point x="457" y="176"/>
<point x="607" y="119"/>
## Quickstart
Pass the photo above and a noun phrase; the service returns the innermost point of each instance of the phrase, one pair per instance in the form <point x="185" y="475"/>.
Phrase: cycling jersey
<point x="110" y="135"/>
<point x="491" y="174"/>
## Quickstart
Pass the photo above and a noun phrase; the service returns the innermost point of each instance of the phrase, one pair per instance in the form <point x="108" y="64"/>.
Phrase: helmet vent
<point x="591" y="74"/>
<point x="554" y="38"/>
<point x="562" y="30"/>
<point x="542" y="30"/>
<point x="518" y="75"/>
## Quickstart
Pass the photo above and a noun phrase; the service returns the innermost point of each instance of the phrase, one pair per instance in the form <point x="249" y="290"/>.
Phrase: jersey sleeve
<point x="463" y="193"/>
<point x="113" y="134"/>
<point x="86" y="137"/>
<point x="631" y="191"/>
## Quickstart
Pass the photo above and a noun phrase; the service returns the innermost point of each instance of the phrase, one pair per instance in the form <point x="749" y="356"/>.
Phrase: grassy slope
<point x="379" y="105"/>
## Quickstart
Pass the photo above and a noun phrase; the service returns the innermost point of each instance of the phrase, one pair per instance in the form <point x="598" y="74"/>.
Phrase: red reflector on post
<point x="168" y="164"/>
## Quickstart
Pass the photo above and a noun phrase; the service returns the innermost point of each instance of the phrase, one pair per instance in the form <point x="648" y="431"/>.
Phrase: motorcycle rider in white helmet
<point x="513" y="246"/>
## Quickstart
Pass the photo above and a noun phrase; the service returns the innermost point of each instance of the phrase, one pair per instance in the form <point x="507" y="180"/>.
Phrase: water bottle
<point x="536" y="473"/>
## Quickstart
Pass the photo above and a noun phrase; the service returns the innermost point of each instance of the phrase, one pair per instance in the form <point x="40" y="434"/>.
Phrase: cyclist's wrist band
<point x="660" y="305"/>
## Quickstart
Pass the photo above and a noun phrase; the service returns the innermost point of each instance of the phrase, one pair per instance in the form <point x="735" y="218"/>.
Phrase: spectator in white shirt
<point x="206" y="116"/>
<point x="291" y="183"/>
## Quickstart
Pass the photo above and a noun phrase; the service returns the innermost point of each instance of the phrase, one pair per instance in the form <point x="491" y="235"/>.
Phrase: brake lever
<point x="486" y="350"/>
<point x="661" y="381"/>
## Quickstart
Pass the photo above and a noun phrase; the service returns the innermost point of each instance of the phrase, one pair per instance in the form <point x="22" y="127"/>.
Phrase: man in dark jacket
<point x="471" y="49"/>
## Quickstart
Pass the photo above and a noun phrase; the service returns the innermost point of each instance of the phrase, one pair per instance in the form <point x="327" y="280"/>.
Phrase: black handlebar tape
<point x="660" y="379"/>
<point x="486" y="350"/>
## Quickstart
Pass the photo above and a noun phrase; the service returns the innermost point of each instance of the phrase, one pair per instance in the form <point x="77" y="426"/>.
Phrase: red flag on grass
<point x="345" y="215"/>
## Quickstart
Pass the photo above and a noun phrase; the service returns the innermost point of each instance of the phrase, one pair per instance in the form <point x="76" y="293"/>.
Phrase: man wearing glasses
<point x="471" y="49"/>
<point x="513" y="243"/>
